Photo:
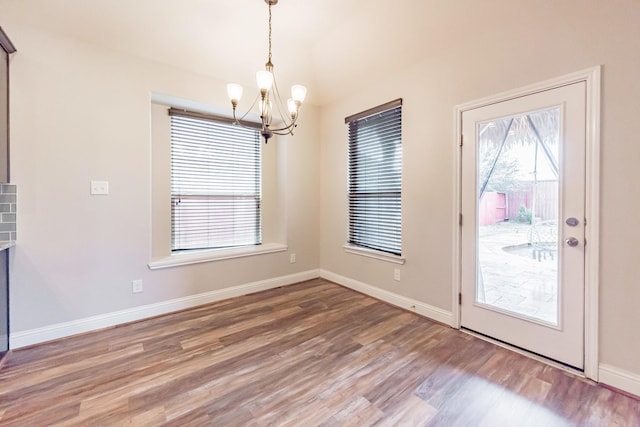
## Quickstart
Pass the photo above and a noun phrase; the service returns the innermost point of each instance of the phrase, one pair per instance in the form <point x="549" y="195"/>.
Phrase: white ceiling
<point x="331" y="46"/>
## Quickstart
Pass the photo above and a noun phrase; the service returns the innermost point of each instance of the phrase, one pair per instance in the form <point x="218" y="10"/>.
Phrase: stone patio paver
<point x="512" y="279"/>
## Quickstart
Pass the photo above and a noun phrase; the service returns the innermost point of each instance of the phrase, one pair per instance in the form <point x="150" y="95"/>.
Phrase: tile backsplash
<point x="8" y="198"/>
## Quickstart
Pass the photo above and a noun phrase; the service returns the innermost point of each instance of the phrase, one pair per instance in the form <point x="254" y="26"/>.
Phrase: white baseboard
<point x="620" y="379"/>
<point x="410" y="304"/>
<point x="61" y="330"/>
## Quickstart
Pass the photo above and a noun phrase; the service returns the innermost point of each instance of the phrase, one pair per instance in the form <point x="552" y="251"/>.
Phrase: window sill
<point x="370" y="253"/>
<point x="215" y="255"/>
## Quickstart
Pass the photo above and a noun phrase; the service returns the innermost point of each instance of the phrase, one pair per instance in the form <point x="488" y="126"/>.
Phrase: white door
<point x="523" y="222"/>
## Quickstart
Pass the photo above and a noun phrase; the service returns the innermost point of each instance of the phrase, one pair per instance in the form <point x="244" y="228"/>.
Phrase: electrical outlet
<point x="99" y="188"/>
<point x="396" y="274"/>
<point x="292" y="258"/>
<point x="136" y="286"/>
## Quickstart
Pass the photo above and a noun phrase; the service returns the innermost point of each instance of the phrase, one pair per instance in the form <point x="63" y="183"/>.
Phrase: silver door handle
<point x="572" y="241"/>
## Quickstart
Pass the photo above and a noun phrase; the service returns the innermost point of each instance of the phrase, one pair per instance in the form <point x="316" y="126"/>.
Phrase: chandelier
<point x="269" y="98"/>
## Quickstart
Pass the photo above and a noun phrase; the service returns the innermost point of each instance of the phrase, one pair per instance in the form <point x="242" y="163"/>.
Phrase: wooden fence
<point x="495" y="206"/>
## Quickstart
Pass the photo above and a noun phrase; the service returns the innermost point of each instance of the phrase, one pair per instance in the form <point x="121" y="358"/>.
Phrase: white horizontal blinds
<point x="375" y="178"/>
<point x="215" y="183"/>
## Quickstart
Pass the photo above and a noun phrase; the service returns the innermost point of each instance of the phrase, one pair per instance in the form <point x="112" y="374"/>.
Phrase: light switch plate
<point x="100" y="188"/>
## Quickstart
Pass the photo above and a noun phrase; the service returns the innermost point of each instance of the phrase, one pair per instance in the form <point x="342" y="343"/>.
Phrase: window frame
<point x="192" y="125"/>
<point x="387" y="187"/>
<point x="274" y="233"/>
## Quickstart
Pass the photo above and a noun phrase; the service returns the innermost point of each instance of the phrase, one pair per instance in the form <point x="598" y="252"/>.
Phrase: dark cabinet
<point x="7" y="48"/>
<point x="4" y="302"/>
<point x="4" y="116"/>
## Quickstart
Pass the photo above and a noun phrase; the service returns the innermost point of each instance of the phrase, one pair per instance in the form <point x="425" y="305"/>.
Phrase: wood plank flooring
<point x="309" y="354"/>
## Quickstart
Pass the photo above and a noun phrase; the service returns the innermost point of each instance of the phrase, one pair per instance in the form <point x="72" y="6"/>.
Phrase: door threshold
<point x="551" y="362"/>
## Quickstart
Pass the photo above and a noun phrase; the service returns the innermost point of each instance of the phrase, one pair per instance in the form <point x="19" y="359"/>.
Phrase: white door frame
<point x="591" y="76"/>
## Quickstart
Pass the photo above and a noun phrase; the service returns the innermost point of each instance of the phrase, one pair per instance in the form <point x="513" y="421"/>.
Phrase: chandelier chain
<point x="269" y="32"/>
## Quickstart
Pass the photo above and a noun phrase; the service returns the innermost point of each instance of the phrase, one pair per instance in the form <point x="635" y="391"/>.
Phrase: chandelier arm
<point x="286" y="118"/>
<point x="248" y="124"/>
<point x="248" y="111"/>
<point x="288" y="123"/>
<point x="286" y="129"/>
<point x="282" y="132"/>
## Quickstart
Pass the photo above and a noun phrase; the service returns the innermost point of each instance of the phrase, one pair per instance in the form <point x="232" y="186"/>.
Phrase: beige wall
<point x="81" y="113"/>
<point x="507" y="48"/>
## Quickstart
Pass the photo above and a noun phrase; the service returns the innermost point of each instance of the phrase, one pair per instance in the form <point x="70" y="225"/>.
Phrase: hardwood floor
<point x="309" y="354"/>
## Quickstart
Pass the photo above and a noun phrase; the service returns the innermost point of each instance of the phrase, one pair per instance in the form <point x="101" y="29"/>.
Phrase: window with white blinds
<point x="215" y="183"/>
<point x="375" y="178"/>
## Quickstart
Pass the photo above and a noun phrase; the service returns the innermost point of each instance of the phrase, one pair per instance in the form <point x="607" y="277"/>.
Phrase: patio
<point x="515" y="278"/>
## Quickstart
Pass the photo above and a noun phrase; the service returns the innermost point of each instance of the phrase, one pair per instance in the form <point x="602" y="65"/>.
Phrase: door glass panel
<point x="517" y="217"/>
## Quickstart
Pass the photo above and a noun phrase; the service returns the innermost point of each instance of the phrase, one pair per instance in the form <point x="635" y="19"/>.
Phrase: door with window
<point x="523" y="222"/>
